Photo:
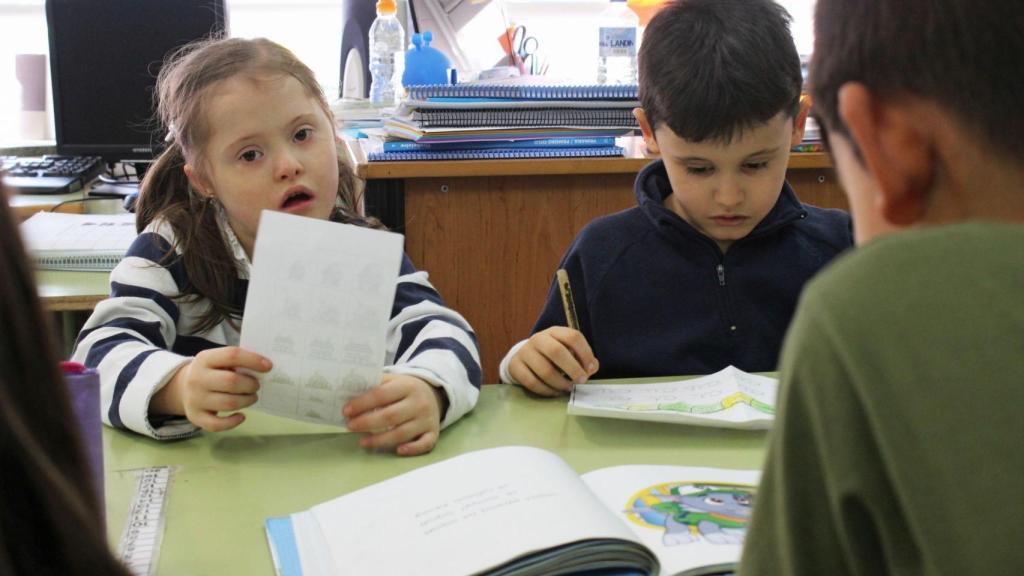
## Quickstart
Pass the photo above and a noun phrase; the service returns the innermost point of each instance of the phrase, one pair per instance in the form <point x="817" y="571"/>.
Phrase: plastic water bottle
<point x="387" y="54"/>
<point x="617" y="45"/>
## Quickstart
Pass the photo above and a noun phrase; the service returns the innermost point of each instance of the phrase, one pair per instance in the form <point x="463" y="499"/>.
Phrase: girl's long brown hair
<point x="50" y="521"/>
<point x="166" y="195"/>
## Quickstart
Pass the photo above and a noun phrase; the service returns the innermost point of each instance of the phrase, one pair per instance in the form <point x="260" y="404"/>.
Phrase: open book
<point x="517" y="510"/>
<point x="729" y="398"/>
<point x="85" y="242"/>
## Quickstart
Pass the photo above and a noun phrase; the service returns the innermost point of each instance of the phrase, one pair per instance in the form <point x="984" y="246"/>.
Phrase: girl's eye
<point x="304" y="134"/>
<point x="756" y="165"/>
<point x="699" y="170"/>
<point x="250" y="155"/>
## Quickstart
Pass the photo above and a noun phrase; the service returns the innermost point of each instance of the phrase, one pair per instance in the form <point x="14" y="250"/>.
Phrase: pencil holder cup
<point x="83" y="385"/>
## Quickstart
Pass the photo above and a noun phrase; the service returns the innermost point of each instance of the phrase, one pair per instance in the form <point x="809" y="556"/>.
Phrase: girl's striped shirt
<point x="140" y="336"/>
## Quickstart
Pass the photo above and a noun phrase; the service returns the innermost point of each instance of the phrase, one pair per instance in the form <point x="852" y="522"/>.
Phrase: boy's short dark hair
<point x="709" y="69"/>
<point x="965" y="56"/>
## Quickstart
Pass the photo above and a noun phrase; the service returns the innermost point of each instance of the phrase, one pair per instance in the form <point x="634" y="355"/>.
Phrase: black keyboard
<point x="49" y="174"/>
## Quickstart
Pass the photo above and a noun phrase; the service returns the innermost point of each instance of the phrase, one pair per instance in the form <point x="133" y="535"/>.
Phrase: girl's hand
<point x="402" y="411"/>
<point x="211" y="383"/>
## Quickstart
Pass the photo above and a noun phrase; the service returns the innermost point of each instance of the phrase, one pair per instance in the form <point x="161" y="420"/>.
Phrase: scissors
<point x="524" y="48"/>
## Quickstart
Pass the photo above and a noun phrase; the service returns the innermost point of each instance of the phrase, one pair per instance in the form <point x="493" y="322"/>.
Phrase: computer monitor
<point x="104" y="59"/>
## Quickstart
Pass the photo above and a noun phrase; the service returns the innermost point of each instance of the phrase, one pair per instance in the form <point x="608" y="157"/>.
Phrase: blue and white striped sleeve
<point x="430" y="341"/>
<point x="129" y="337"/>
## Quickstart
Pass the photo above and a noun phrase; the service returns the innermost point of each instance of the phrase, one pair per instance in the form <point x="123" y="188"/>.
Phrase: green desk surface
<point x="226" y="484"/>
<point x="62" y="290"/>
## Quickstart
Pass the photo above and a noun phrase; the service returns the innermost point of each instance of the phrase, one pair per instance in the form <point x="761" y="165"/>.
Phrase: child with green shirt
<point x="897" y="444"/>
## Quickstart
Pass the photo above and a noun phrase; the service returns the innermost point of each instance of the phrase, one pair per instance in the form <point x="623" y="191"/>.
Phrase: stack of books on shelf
<point x="498" y="121"/>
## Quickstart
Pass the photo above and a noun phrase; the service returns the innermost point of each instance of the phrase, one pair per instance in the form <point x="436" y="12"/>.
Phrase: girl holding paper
<point x="249" y="129"/>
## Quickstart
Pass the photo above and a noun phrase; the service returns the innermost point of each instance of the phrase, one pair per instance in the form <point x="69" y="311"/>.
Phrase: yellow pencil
<point x="567" y="301"/>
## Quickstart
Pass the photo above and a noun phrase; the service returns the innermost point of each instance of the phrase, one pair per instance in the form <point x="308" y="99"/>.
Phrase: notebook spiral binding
<point x="580" y="92"/>
<point x="456" y="118"/>
<point x="503" y="154"/>
<point x="98" y="262"/>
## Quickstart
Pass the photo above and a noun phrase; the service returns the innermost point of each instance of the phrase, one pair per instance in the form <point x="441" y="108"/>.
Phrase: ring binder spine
<point x="575" y="92"/>
<point x="460" y="118"/>
<point x="97" y="262"/>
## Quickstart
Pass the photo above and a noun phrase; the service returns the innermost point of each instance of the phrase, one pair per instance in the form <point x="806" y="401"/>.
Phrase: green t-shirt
<point x="899" y="443"/>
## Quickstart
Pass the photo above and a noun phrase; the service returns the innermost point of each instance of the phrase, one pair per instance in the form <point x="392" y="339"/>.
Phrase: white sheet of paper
<point x="320" y="296"/>
<point x="728" y="398"/>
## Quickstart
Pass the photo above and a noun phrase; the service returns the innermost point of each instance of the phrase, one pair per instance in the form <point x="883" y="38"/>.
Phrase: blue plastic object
<point x="424" y="64"/>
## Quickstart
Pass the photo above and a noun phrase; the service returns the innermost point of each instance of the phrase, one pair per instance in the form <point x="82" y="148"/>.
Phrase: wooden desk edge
<point x="22" y="211"/>
<point x="71" y="303"/>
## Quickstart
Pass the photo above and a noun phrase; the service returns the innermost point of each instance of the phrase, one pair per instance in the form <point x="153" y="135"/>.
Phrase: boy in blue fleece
<point x="705" y="272"/>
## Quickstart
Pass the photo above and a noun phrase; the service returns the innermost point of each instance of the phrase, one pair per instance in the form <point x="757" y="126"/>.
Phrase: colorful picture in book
<point x="688" y="512"/>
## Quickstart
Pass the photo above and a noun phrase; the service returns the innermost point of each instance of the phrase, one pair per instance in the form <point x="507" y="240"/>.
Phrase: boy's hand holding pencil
<point x="554" y="359"/>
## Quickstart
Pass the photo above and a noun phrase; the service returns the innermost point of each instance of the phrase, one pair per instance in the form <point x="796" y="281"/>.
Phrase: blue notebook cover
<point x="283" y="548"/>
<point x="408" y="145"/>
<point x="495" y="154"/>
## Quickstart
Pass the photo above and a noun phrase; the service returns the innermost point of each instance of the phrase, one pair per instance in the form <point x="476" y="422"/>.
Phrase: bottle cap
<point x="386" y="6"/>
<point x="68" y="367"/>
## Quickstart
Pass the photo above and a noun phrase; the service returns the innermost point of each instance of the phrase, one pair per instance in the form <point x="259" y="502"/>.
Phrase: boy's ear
<point x="646" y="130"/>
<point x="895" y="149"/>
<point x="196" y="181"/>
<point x="800" y="122"/>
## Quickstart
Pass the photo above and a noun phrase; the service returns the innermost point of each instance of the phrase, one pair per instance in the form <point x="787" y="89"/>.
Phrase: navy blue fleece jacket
<point x="655" y="297"/>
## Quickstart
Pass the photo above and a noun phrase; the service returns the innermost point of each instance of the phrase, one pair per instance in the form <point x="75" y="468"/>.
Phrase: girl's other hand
<point x="402" y="411"/>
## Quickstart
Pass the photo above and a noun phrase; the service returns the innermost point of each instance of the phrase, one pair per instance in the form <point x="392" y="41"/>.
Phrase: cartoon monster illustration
<point x="689" y="512"/>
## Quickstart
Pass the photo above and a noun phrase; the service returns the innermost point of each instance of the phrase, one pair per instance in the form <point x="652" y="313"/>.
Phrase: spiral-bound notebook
<point x="525" y="91"/>
<point x="83" y="242"/>
<point x="407" y="129"/>
<point x="495" y="154"/>
<point x="536" y="117"/>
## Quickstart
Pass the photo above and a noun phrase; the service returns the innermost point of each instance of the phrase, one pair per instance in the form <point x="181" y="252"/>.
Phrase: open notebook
<point x="729" y="398"/>
<point x="84" y="242"/>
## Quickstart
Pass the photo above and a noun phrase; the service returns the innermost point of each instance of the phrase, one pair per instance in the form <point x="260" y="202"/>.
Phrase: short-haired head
<point x="964" y="56"/>
<point x="710" y="69"/>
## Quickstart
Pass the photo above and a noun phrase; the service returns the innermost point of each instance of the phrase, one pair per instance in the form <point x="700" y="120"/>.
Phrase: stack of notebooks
<point x="496" y="121"/>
